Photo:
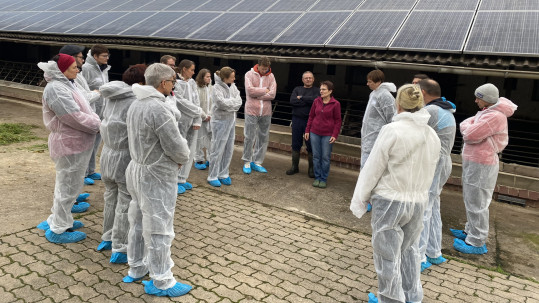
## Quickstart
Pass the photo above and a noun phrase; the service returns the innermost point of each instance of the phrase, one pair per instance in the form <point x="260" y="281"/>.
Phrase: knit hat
<point x="488" y="93"/>
<point x="64" y="62"/>
<point x="409" y="96"/>
<point x="71" y="50"/>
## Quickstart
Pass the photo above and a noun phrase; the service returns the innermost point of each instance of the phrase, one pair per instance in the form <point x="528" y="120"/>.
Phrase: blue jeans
<point x="321" y="155"/>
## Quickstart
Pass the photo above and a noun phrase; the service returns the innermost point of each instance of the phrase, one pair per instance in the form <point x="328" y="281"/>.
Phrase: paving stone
<point x="35" y="281"/>
<point x="85" y="277"/>
<point x="227" y="281"/>
<point x="28" y="294"/>
<point x="300" y="290"/>
<point x="67" y="267"/>
<point x="206" y="296"/>
<point x="55" y="292"/>
<point x="108" y="290"/>
<point x="6" y="296"/>
<point x="231" y="294"/>
<point x="127" y="298"/>
<point x="297" y="299"/>
<point x="23" y="258"/>
<point x="199" y="281"/>
<point x="251" y="281"/>
<point x="60" y="278"/>
<point x="274" y="299"/>
<point x="47" y="257"/>
<point x="251" y="292"/>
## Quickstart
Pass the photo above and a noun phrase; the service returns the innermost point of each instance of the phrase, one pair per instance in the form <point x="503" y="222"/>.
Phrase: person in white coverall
<point x="379" y="112"/>
<point x="485" y="135"/>
<point x="73" y="125"/>
<point x="396" y="179"/>
<point x="157" y="151"/>
<point x="442" y="121"/>
<point x="226" y="102"/>
<point x="188" y="103"/>
<point x="114" y="160"/>
<point x="96" y="71"/>
<point x="205" y="93"/>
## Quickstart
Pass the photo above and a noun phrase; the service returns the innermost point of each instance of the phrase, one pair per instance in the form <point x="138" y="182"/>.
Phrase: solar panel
<point x="291" y="5"/>
<point x="95" y="23"/>
<point x="509" y="5"/>
<point x="106" y="6"/>
<point x="129" y="5"/>
<point x="251" y="6"/>
<point x="154" y="23"/>
<point x="313" y="28"/>
<point x="122" y="23"/>
<point x="157" y="5"/>
<point x="60" y="5"/>
<point x="387" y="5"/>
<point x="335" y="5"/>
<point x="370" y="29"/>
<point x="82" y="6"/>
<point x="447" y="5"/>
<point x="9" y="17"/>
<point x="24" y="6"/>
<point x="68" y="24"/>
<point x="222" y="27"/>
<point x="14" y="20"/>
<point x="43" y="5"/>
<point x="31" y="20"/>
<point x="434" y="30"/>
<point x="186" y="5"/>
<point x="505" y="33"/>
<point x="45" y="23"/>
<point x="217" y="5"/>
<point x="187" y="25"/>
<point x="258" y="31"/>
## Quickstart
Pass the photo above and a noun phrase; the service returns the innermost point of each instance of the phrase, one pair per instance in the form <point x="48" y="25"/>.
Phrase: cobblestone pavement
<point x="235" y="250"/>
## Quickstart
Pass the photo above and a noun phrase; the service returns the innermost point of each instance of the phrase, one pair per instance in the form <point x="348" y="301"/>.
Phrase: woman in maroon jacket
<point x="322" y="129"/>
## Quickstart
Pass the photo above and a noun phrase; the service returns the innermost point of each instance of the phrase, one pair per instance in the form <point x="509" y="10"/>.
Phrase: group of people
<point x="158" y="122"/>
<point x="405" y="162"/>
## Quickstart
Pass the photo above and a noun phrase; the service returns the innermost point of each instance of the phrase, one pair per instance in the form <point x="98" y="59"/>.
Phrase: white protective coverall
<point x="73" y="125"/>
<point x="396" y="179"/>
<point x="157" y="148"/>
<point x="114" y="160"/>
<point x="205" y="94"/>
<point x="379" y="112"/>
<point x="226" y="102"/>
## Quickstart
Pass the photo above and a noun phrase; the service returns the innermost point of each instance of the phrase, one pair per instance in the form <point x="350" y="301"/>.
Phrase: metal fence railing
<point x="523" y="145"/>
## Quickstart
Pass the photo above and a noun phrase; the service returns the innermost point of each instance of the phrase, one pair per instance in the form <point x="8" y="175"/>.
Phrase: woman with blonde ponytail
<point x="396" y="179"/>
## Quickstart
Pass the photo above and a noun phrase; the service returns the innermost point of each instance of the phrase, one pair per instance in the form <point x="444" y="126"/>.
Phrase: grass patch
<point x="15" y="133"/>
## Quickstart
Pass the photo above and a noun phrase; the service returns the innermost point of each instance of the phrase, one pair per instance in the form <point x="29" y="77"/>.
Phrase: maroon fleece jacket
<point x="325" y="119"/>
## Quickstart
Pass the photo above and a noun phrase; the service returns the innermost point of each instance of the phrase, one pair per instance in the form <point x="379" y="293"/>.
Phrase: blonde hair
<point x="409" y="97"/>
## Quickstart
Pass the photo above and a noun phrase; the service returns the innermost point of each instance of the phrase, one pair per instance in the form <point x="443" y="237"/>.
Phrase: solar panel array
<point x="469" y="26"/>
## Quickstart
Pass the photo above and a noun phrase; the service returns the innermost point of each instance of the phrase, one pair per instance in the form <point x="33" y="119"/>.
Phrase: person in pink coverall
<point x="485" y="135"/>
<point x="260" y="89"/>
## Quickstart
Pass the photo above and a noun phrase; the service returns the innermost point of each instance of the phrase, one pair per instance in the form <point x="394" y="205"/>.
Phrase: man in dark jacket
<point x="301" y="99"/>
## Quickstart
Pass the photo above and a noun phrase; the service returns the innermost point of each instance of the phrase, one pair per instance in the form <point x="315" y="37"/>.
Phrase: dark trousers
<point x="298" y="129"/>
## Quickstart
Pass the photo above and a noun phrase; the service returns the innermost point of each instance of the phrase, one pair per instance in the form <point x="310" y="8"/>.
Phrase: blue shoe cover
<point x="88" y="181"/>
<point x="258" y="168"/>
<point x="175" y="291"/>
<point x="80" y="207"/>
<point x="215" y="183"/>
<point x="186" y="185"/>
<point x="83" y="197"/>
<point x="208" y="163"/>
<point x="461" y="246"/>
<point x="226" y="181"/>
<point x="369" y="207"/>
<point x="45" y="225"/>
<point x="69" y="236"/>
<point x="118" y="258"/>
<point x="459" y="234"/>
<point x="372" y="298"/>
<point x="104" y="245"/>
<point x="246" y="170"/>
<point x="425" y="265"/>
<point x="94" y="176"/>
<point x="436" y="261"/>
<point x="128" y="279"/>
<point x="200" y="166"/>
<point x="181" y="189"/>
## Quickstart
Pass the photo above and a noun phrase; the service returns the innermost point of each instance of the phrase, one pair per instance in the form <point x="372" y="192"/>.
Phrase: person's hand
<point x="207" y="119"/>
<point x="332" y="140"/>
<point x="196" y="127"/>
<point x="306" y="136"/>
<point x="299" y="97"/>
<point x="267" y="90"/>
<point x="179" y="166"/>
